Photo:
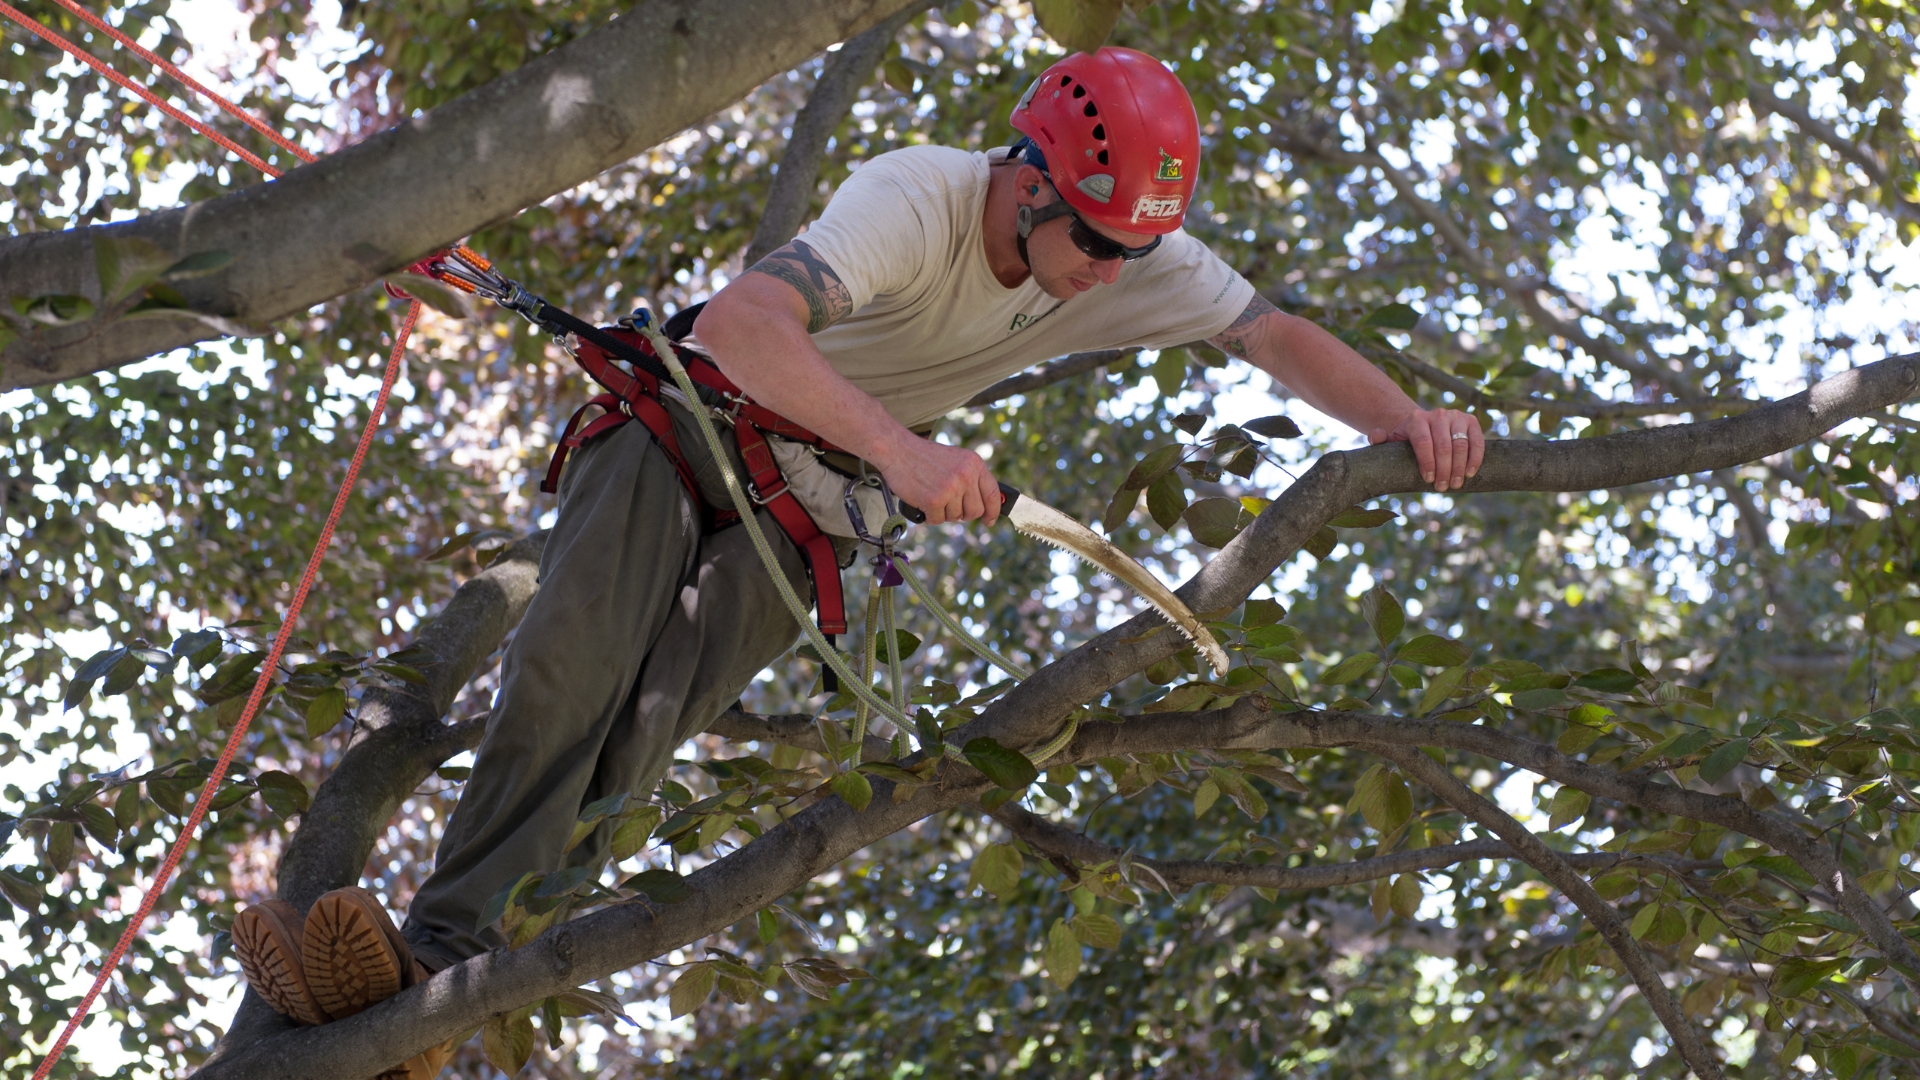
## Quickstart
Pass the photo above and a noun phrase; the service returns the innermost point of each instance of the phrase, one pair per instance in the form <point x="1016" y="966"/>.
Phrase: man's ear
<point x="1029" y="180"/>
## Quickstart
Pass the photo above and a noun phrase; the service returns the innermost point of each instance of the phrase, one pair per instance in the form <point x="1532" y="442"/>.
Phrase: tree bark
<point x="790" y="854"/>
<point x="335" y="225"/>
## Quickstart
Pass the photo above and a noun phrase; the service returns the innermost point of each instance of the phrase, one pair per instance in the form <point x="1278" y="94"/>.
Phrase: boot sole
<point x="354" y="955"/>
<point x="267" y="942"/>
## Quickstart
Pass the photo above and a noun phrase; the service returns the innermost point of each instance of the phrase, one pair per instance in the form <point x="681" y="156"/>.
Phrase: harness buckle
<point x="762" y="498"/>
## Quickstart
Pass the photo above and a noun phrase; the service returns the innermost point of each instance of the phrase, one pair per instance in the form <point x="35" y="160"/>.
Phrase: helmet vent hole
<point x="1092" y="110"/>
<point x="1080" y="91"/>
<point x="1102" y="157"/>
<point x="1067" y="80"/>
<point x="1100" y="132"/>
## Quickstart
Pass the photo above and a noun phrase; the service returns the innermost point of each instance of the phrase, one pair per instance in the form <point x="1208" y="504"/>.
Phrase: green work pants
<point x="641" y="632"/>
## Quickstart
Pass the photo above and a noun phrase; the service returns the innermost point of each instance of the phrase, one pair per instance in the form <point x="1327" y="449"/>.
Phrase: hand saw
<point x="1044" y="523"/>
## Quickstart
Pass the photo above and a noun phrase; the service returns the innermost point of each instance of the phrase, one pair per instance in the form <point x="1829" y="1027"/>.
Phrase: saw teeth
<point x="1216" y="656"/>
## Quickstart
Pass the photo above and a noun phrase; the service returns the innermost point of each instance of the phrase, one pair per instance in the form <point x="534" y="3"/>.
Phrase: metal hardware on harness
<point x="859" y="520"/>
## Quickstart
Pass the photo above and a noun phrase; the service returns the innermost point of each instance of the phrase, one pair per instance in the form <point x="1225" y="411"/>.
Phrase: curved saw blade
<point x="1043" y="522"/>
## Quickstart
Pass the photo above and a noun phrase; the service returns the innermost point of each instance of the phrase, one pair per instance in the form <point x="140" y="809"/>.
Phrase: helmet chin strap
<point x="1027" y="218"/>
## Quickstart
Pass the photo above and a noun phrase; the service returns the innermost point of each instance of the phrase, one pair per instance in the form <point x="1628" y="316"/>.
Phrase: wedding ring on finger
<point x="1459" y="435"/>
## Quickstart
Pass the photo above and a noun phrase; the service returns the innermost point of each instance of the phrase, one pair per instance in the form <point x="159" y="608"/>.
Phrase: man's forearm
<point x="1328" y="375"/>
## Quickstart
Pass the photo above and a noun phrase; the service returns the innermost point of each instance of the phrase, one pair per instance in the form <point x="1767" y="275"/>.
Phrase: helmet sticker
<point x="1157" y="207"/>
<point x="1098" y="187"/>
<point x="1169" y="170"/>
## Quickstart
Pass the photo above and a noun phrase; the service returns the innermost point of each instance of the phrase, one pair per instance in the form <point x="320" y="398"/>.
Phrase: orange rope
<point x="236" y="111"/>
<point x="307" y="577"/>
<point x="145" y="94"/>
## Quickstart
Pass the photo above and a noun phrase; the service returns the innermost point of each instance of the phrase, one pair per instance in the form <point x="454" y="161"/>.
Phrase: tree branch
<point x="842" y="75"/>
<point x="370" y="209"/>
<point x="1594" y="409"/>
<point x="1554" y="868"/>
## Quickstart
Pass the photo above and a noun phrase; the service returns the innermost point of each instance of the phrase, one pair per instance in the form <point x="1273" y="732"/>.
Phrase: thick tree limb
<point x="841" y="77"/>
<point x="1553" y="866"/>
<point x="333" y="226"/>
<point x="790" y="854"/>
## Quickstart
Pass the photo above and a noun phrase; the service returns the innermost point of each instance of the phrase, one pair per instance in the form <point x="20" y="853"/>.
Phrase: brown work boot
<point x="355" y="956"/>
<point x="267" y="941"/>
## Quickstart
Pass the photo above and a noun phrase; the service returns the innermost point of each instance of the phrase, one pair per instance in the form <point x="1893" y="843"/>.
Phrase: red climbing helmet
<point x="1120" y="137"/>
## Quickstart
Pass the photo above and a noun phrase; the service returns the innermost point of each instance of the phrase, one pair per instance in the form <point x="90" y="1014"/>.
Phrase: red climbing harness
<point x="635" y="395"/>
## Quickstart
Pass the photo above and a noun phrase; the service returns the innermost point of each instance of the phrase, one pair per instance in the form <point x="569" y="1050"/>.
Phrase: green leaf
<point x="1569" y="804"/>
<point x="1608" y="680"/>
<point x="660" y="886"/>
<point x="453" y="773"/>
<point x="1643" y="920"/>
<point x="1393" y="317"/>
<point x="1097" y="931"/>
<point x="1383" y="613"/>
<point x="1358" y="518"/>
<point x="1166" y="500"/>
<point x="1576" y="738"/>
<point x="692" y="988"/>
<point x="1008" y="768"/>
<point x="1382" y="799"/>
<point x="1205" y="796"/>
<point x="855" y="789"/>
<point x="1440" y="688"/>
<point x="630" y="838"/>
<point x="99" y="823"/>
<point x="1170" y="370"/>
<point x="1350" y="669"/>
<point x="1273" y="427"/>
<point x="232" y="678"/>
<point x="1405" y="895"/>
<point x="197" y="265"/>
<point x="126" y="263"/>
<point x="1433" y="650"/>
<point x="54" y="310"/>
<point x="1158" y="462"/>
<point x="904" y="645"/>
<point x="1125" y="502"/>
<point x="1724" y="759"/>
<point x="507" y="1042"/>
<point x="1543" y="698"/>
<point x="1214" y="522"/>
<point x="1262" y="613"/>
<point x="124" y="675"/>
<point x="325" y="711"/>
<point x="89" y="673"/>
<point x="997" y="870"/>
<point x="283" y="793"/>
<point x="1321" y="544"/>
<point x="1062" y="955"/>
<point x="404" y="672"/>
<point x="1185" y="698"/>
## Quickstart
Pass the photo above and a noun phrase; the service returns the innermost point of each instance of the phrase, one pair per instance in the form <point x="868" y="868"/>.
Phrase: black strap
<point x="680" y="323"/>
<point x="555" y="320"/>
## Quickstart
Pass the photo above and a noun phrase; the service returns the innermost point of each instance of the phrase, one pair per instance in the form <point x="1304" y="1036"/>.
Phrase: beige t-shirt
<point x="931" y="326"/>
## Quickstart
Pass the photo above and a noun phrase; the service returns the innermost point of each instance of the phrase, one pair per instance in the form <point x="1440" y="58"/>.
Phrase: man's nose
<point x="1107" y="270"/>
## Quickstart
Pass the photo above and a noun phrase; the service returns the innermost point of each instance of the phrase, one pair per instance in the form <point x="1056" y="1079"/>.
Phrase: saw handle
<point x="1008" y="496"/>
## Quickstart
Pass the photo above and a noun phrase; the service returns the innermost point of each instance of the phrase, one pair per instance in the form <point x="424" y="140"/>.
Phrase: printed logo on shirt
<point x="1157" y="207"/>
<point x="1169" y="167"/>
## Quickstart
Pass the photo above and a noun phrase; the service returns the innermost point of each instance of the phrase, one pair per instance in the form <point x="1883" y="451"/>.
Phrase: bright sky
<point x="1610" y="254"/>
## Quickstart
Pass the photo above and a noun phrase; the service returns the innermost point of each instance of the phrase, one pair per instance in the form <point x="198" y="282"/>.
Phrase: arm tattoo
<point x="1247" y="334"/>
<point x="827" y="299"/>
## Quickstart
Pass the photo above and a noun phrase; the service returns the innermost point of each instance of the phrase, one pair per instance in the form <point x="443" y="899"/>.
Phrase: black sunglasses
<point x="1092" y="244"/>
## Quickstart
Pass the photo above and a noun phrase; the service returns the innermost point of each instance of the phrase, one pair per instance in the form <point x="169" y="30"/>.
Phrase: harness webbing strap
<point x="636" y="396"/>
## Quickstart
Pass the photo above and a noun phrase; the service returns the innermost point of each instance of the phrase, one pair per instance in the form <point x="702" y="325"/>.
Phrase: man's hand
<point x="948" y="483"/>
<point x="1446" y="442"/>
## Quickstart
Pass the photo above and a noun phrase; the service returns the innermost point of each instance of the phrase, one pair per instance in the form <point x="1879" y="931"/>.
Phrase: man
<point x="932" y="273"/>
